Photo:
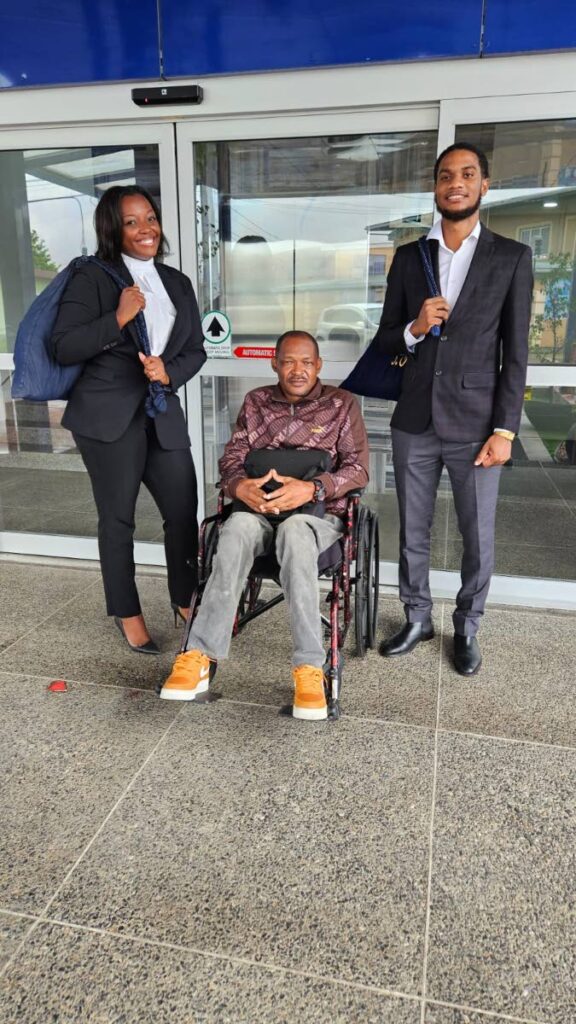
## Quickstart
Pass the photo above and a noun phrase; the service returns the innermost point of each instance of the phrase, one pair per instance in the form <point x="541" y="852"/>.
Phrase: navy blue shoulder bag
<point x="380" y="376"/>
<point x="37" y="376"/>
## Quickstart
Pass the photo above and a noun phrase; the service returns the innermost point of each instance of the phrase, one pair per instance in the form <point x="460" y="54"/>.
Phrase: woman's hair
<point x="108" y="221"/>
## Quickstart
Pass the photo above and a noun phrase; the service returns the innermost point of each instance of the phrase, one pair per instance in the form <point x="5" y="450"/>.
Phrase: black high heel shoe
<point x="177" y="614"/>
<point x="148" y="648"/>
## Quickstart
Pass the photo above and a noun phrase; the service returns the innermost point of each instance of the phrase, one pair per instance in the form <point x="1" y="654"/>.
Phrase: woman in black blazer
<point x="122" y="446"/>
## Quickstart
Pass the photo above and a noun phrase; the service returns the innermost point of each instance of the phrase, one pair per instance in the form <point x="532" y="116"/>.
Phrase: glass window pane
<point x="299" y="233"/>
<point x="47" y="202"/>
<point x="536" y="515"/>
<point x="532" y="198"/>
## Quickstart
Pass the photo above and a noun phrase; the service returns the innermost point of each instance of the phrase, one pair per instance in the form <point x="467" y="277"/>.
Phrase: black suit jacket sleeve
<point x="186" y="363"/>
<point x="82" y="331"/>
<point x="514" y="329"/>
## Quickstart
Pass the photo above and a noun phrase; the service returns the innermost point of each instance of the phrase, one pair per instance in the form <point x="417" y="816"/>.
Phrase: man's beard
<point x="459" y="214"/>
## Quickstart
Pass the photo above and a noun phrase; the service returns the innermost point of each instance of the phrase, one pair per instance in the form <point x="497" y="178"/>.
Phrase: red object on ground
<point x="58" y="686"/>
<point x="253" y="352"/>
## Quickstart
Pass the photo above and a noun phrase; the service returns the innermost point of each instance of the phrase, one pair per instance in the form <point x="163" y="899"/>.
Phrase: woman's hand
<point x="154" y="368"/>
<point x="132" y="301"/>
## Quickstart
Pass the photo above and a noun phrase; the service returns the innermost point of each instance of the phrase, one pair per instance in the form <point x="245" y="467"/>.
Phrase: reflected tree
<point x="40" y="254"/>
<point x="557" y="285"/>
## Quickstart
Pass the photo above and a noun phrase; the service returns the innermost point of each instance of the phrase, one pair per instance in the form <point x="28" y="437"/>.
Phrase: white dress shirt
<point x="159" y="312"/>
<point x="453" y="269"/>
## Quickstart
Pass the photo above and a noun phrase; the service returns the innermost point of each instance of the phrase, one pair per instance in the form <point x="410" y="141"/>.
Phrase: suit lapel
<point x="476" y="273"/>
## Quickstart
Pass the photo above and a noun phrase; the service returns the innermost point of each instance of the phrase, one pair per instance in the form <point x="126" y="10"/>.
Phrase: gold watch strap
<point x="508" y="434"/>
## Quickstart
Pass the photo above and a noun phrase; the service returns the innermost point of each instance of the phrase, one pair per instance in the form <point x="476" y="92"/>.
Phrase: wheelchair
<point x="352" y="565"/>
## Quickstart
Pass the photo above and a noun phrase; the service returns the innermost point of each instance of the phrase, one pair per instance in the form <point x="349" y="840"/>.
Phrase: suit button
<point x="437" y="373"/>
<point x="443" y="337"/>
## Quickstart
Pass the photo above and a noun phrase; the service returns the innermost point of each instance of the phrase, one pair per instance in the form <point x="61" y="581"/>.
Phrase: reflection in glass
<point x="536" y="518"/>
<point x="532" y="198"/>
<point x="47" y="200"/>
<point x="301" y="232"/>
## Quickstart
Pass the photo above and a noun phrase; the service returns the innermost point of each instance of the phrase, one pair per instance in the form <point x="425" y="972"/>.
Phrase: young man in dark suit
<point x="462" y="392"/>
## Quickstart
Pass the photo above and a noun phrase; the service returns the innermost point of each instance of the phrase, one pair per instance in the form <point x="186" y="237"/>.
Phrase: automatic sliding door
<point x="300" y="233"/>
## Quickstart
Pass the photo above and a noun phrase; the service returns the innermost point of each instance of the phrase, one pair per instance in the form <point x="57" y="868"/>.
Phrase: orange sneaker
<point x="192" y="674"/>
<point x="309" y="695"/>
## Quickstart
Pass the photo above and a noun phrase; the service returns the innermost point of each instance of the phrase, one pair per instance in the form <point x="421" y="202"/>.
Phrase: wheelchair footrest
<point x="333" y="710"/>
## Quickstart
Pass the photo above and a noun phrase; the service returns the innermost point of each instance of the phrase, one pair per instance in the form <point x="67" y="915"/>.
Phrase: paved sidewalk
<point x="413" y="863"/>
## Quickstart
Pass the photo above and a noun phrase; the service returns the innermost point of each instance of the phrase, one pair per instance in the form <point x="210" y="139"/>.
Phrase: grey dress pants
<point x="297" y="541"/>
<point x="418" y="463"/>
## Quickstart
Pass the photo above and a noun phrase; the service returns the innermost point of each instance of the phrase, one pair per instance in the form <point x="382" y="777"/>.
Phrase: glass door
<point x="50" y="182"/>
<point x="296" y="223"/>
<point x="532" y="198"/>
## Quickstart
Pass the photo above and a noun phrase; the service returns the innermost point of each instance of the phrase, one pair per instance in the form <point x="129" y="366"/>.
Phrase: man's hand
<point x="432" y="314"/>
<point x="154" y="368"/>
<point x="292" y="494"/>
<point x="250" y="492"/>
<point x="495" y="452"/>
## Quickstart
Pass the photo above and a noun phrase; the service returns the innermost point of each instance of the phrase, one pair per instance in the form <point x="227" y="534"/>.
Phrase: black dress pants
<point x="116" y="470"/>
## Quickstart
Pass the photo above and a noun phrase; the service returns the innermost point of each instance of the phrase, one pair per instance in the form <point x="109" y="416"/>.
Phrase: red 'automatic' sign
<point x="253" y="352"/>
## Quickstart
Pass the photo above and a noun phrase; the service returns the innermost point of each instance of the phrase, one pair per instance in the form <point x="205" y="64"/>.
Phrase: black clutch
<point x="301" y="463"/>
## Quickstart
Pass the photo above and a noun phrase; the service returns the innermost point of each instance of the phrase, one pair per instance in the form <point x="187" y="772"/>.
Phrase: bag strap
<point x="430" y="279"/>
<point x="156" y="398"/>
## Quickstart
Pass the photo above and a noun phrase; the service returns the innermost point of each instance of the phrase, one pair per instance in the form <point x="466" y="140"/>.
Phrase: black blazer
<point x="112" y="385"/>
<point x="472" y="378"/>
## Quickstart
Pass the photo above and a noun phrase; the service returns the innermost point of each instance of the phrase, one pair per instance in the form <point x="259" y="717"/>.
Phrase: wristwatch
<point x="319" y="491"/>
<point x="508" y="434"/>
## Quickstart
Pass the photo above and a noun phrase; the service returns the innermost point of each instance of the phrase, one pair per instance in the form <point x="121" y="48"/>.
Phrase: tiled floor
<point x="413" y="863"/>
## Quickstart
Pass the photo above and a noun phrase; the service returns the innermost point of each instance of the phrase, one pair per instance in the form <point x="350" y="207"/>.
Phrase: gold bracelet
<point x="506" y="433"/>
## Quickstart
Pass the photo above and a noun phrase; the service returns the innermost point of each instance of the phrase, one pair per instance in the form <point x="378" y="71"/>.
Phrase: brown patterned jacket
<point x="327" y="418"/>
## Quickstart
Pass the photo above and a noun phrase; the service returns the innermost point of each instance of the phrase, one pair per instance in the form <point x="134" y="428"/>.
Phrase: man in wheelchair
<point x="295" y="518"/>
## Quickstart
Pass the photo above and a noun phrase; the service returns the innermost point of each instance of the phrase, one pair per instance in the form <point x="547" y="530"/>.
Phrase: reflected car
<point x="344" y="331"/>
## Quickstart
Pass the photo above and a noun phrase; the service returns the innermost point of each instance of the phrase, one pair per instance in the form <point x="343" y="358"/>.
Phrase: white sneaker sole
<point x="184" y="694"/>
<point x="310" y="714"/>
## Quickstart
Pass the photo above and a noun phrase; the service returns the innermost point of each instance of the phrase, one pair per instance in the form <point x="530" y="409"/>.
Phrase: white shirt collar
<point x="136" y="266"/>
<point x="436" y="232"/>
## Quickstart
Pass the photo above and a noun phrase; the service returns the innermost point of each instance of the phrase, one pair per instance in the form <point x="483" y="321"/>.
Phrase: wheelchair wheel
<point x="373" y="578"/>
<point x="362" y="588"/>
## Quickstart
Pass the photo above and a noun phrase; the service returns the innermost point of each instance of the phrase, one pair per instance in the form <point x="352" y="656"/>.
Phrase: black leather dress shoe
<point x="406" y="640"/>
<point x="467" y="657"/>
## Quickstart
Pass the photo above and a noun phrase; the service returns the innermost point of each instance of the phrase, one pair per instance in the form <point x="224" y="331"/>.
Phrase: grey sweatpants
<point x="298" y="542"/>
